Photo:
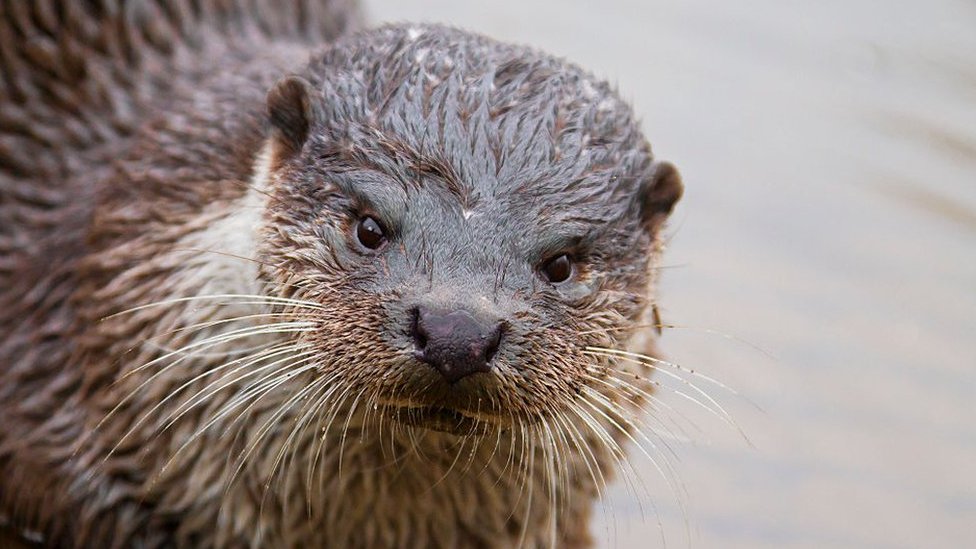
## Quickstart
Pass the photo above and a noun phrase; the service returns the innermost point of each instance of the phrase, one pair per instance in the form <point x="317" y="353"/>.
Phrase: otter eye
<point x="558" y="269"/>
<point x="370" y="233"/>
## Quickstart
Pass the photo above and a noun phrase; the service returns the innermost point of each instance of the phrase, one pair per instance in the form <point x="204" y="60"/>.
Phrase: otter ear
<point x="291" y="112"/>
<point x="659" y="193"/>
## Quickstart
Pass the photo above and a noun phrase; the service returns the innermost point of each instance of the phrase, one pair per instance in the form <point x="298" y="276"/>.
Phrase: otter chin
<point x="274" y="281"/>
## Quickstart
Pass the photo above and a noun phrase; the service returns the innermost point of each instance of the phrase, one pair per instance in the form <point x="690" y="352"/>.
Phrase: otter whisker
<point x="623" y="387"/>
<point x="296" y="456"/>
<point x="614" y="414"/>
<point x="586" y="454"/>
<point x="672" y="326"/>
<point x="385" y="427"/>
<point x="562" y="465"/>
<point x="569" y="445"/>
<point x="551" y="483"/>
<point x="347" y="395"/>
<point x="668" y="473"/>
<point x="450" y="468"/>
<point x="212" y="323"/>
<point x="301" y="424"/>
<point x="592" y="464"/>
<point x="369" y="408"/>
<point x="374" y="410"/>
<point x="229" y="407"/>
<point x="510" y="459"/>
<point x="654" y="362"/>
<point x="675" y="485"/>
<point x="612" y="408"/>
<point x="319" y="406"/>
<point x="204" y="344"/>
<point x="285" y="408"/>
<point x="671" y="414"/>
<point x="475" y="441"/>
<point x="616" y="452"/>
<point x="338" y="404"/>
<point x="530" y="470"/>
<point x="233" y="335"/>
<point x="494" y="451"/>
<point x="207" y="352"/>
<point x="282" y="409"/>
<point x="209" y="324"/>
<point x="631" y="478"/>
<point x="256" y="390"/>
<point x="207" y="393"/>
<point x="718" y="410"/>
<point x="210" y="371"/>
<point x="556" y="477"/>
<point x="345" y="429"/>
<point x="597" y="430"/>
<point x="255" y="299"/>
<point x="522" y="471"/>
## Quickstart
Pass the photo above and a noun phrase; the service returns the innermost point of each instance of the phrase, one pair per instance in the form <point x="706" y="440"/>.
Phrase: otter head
<point x="468" y="216"/>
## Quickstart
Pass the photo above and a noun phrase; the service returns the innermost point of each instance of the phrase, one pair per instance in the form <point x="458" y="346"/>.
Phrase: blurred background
<point x="823" y="260"/>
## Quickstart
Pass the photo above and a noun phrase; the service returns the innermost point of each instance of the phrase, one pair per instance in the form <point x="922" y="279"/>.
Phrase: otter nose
<point x="454" y="342"/>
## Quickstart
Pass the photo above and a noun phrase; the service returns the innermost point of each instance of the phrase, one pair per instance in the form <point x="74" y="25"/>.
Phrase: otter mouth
<point x="437" y="418"/>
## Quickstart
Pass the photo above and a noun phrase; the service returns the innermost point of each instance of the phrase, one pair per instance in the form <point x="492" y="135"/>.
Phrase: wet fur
<point x="149" y="169"/>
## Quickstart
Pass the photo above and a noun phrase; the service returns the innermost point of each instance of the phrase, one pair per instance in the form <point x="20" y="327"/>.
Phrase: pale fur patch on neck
<point x="226" y="259"/>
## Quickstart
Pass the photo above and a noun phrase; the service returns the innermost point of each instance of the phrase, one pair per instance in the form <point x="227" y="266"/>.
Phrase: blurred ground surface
<point x="829" y="153"/>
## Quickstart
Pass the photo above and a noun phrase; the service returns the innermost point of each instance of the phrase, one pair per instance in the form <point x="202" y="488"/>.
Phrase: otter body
<point x="270" y="282"/>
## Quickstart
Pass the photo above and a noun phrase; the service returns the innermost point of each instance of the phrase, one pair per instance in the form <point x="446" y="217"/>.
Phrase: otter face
<point x="472" y="216"/>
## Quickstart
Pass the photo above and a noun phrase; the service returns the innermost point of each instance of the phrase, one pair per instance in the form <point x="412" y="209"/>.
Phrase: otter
<point x="272" y="279"/>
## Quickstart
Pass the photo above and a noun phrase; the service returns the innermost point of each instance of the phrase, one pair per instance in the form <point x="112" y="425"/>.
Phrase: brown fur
<point x="130" y="140"/>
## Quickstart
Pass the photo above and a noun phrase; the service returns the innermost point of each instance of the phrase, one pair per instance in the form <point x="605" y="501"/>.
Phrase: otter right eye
<point x="370" y="233"/>
<point x="558" y="269"/>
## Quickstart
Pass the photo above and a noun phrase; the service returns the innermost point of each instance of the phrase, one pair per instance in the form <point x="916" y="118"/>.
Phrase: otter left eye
<point x="370" y="233"/>
<point x="558" y="269"/>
